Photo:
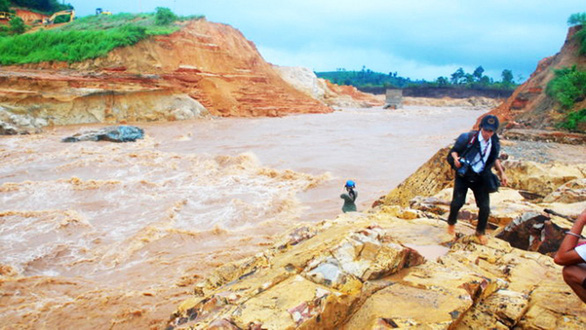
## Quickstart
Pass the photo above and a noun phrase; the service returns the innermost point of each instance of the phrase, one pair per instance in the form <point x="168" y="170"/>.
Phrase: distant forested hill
<point x="367" y="78"/>
<point x="375" y="82"/>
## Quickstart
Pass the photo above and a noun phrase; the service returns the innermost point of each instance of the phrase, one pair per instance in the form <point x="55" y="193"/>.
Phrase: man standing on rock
<point x="473" y="156"/>
<point x="572" y="255"/>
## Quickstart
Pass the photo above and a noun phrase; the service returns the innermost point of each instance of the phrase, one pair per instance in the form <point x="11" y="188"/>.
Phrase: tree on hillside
<point x="477" y="74"/>
<point x="17" y="26"/>
<point x="368" y="79"/>
<point x="164" y="16"/>
<point x="577" y="19"/>
<point x="457" y="76"/>
<point x="507" y="76"/>
<point x="568" y="86"/>
<point x="442" y="81"/>
<point x="485" y="81"/>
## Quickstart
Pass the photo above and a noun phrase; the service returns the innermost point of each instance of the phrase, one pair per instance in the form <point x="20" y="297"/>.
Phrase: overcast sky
<point x="419" y="39"/>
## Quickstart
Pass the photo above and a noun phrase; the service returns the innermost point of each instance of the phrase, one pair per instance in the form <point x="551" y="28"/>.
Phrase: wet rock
<point x="430" y="204"/>
<point x="112" y="134"/>
<point x="503" y="309"/>
<point x="570" y="192"/>
<point x="541" y="179"/>
<point x="553" y="307"/>
<point x="534" y="232"/>
<point x="299" y="234"/>
<point x="330" y="283"/>
<point x="16" y="121"/>
<point x="365" y="255"/>
<point x="405" y="306"/>
<point x="356" y="274"/>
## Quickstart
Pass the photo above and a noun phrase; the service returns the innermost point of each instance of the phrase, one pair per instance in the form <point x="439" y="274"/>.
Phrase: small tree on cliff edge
<point x="164" y="16"/>
<point x="579" y="19"/>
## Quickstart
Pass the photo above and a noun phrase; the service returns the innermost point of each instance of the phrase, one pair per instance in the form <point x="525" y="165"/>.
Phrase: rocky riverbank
<point x="395" y="266"/>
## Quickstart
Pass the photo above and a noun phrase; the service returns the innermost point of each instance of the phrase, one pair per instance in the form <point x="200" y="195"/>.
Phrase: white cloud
<point x="417" y="38"/>
<point x="354" y="59"/>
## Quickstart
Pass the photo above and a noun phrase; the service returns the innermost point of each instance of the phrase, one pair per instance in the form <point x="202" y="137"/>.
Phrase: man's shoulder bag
<point x="493" y="182"/>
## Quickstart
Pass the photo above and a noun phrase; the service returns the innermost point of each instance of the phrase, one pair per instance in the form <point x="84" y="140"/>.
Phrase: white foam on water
<point x="145" y="207"/>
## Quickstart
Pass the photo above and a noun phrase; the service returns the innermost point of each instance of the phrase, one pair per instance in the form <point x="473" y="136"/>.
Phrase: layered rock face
<point x="205" y="68"/>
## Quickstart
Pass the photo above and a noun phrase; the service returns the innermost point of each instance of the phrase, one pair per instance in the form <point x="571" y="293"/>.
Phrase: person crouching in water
<point x="349" y="197"/>
<point x="473" y="156"/>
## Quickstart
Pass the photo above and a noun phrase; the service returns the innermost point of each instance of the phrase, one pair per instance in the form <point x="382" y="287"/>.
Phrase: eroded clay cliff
<point x="530" y="106"/>
<point x="205" y="68"/>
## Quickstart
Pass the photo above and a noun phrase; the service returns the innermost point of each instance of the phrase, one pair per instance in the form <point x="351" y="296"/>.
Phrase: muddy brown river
<point x="97" y="235"/>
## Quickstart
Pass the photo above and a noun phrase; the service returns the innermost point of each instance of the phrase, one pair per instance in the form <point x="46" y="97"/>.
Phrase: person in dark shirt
<point x="349" y="197"/>
<point x="472" y="157"/>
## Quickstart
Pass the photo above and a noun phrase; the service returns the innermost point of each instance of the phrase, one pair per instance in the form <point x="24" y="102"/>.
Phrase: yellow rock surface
<point x="362" y="271"/>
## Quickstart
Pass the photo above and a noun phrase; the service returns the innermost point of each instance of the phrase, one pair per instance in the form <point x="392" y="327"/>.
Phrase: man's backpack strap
<point x="462" y="145"/>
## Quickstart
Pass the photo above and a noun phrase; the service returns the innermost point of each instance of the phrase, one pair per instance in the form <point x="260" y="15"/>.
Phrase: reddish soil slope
<point x="206" y="62"/>
<point x="529" y="106"/>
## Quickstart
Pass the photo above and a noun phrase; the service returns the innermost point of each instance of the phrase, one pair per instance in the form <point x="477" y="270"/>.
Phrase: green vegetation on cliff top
<point x="568" y="87"/>
<point x="579" y="19"/>
<point x="86" y="38"/>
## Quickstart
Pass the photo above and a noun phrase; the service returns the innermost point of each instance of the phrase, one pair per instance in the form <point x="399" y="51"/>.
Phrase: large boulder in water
<point x="113" y="134"/>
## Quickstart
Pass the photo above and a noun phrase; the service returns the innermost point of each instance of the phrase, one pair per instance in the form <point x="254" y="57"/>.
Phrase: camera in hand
<point x="464" y="168"/>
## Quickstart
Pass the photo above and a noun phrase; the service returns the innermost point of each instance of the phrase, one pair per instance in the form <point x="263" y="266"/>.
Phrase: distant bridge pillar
<point x="394" y="99"/>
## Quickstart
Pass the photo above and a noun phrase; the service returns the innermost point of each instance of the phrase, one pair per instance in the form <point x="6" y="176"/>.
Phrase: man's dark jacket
<point x="470" y="141"/>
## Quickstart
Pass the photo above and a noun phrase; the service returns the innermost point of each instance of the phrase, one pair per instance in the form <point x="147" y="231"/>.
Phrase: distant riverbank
<point x="440" y="92"/>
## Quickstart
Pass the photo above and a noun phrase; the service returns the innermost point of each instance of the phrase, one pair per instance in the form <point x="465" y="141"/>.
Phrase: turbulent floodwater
<point x="113" y="235"/>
